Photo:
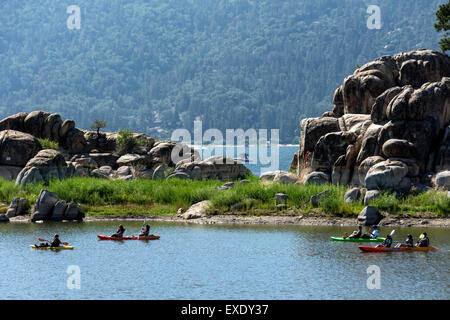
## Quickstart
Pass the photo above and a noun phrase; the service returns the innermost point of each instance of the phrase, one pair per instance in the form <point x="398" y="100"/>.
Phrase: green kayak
<point x="357" y="239"/>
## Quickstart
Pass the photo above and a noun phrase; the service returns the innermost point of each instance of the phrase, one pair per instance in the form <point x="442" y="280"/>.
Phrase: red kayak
<point x="402" y="249"/>
<point x="149" y="237"/>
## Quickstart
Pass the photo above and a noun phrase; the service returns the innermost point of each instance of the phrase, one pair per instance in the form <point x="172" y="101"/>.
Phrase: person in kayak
<point x="423" y="241"/>
<point x="145" y="231"/>
<point x="119" y="232"/>
<point x="55" y="242"/>
<point x="371" y="235"/>
<point x="355" y="234"/>
<point x="409" y="243"/>
<point x="386" y="243"/>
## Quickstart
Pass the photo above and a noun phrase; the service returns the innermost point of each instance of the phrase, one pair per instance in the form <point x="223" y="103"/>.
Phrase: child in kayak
<point x="145" y="231"/>
<point x="119" y="232"/>
<point x="355" y="234"/>
<point x="409" y="243"/>
<point x="386" y="243"/>
<point x="423" y="241"/>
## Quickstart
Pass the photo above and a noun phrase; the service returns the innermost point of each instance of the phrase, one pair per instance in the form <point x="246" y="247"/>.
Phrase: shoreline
<point x="233" y="219"/>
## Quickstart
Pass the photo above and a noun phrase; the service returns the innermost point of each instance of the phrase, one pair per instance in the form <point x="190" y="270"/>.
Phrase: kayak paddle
<point x="42" y="240"/>
<point x="392" y="232"/>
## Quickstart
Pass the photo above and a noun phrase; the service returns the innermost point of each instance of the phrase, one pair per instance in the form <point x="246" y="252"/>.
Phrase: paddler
<point x="355" y="234"/>
<point x="424" y="241"/>
<point x="371" y="235"/>
<point x="145" y="231"/>
<point x="55" y="242"/>
<point x="119" y="232"/>
<point x="386" y="243"/>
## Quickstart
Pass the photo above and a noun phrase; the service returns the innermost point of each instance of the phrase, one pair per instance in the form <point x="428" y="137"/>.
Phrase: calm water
<point x="216" y="262"/>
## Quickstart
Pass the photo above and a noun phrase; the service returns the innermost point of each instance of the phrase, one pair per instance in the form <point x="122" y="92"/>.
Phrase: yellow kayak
<point x="53" y="248"/>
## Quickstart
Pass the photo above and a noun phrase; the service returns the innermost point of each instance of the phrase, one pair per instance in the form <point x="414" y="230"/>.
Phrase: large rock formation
<point x="46" y="165"/>
<point x="389" y="127"/>
<point x="16" y="147"/>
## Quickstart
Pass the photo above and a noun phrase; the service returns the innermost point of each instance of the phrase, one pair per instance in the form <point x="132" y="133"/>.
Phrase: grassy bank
<point x="164" y="197"/>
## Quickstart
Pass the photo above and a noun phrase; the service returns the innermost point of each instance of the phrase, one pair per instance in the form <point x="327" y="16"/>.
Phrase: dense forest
<point x="156" y="65"/>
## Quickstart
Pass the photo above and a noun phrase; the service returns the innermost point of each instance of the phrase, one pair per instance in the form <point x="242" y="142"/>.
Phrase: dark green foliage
<point x="144" y="64"/>
<point x="126" y="141"/>
<point x="443" y="24"/>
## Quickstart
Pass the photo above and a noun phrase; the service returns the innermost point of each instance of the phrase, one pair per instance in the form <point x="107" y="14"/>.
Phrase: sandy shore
<point x="270" y="220"/>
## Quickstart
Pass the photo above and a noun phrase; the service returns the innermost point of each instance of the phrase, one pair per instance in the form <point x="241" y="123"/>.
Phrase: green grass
<point x="164" y="197"/>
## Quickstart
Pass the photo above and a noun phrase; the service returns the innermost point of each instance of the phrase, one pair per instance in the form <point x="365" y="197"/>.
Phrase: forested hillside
<point x="149" y="64"/>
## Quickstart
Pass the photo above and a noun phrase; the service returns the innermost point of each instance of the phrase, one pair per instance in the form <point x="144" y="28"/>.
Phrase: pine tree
<point x="443" y="17"/>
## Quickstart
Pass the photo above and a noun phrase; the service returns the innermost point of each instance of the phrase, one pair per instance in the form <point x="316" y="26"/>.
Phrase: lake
<point x="216" y="262"/>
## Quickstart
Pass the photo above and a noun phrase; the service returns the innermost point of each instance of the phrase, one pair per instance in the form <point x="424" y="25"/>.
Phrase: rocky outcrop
<point x="394" y="110"/>
<point x="18" y="206"/>
<point x="46" y="165"/>
<point x="17" y="148"/>
<point x="49" y="208"/>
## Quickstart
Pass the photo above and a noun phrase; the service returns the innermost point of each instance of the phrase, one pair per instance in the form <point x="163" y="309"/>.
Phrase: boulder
<point x="388" y="175"/>
<point x="18" y="207"/>
<point x="285" y="177"/>
<point x="369" y="216"/>
<point x="46" y="165"/>
<point x="17" y="148"/>
<point x="215" y="167"/>
<point x="315" y="200"/>
<point x="73" y="212"/>
<point x="269" y="175"/>
<point x="399" y="148"/>
<point x="134" y="160"/>
<point x="105" y="159"/>
<point x="34" y="123"/>
<point x="281" y="200"/>
<point x="197" y="210"/>
<point x="81" y="160"/>
<point x="352" y="195"/>
<point x="14" y="122"/>
<point x="370" y="195"/>
<point x="443" y="180"/>
<point x="58" y="211"/>
<point x="44" y="205"/>
<point x="317" y="177"/>
<point x="123" y="171"/>
<point x="101" y="173"/>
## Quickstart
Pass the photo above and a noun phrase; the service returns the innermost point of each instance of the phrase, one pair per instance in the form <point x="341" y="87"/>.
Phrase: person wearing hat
<point x="55" y="242"/>
<point x="119" y="232"/>
<point x="423" y="241"/>
<point x="371" y="235"/>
